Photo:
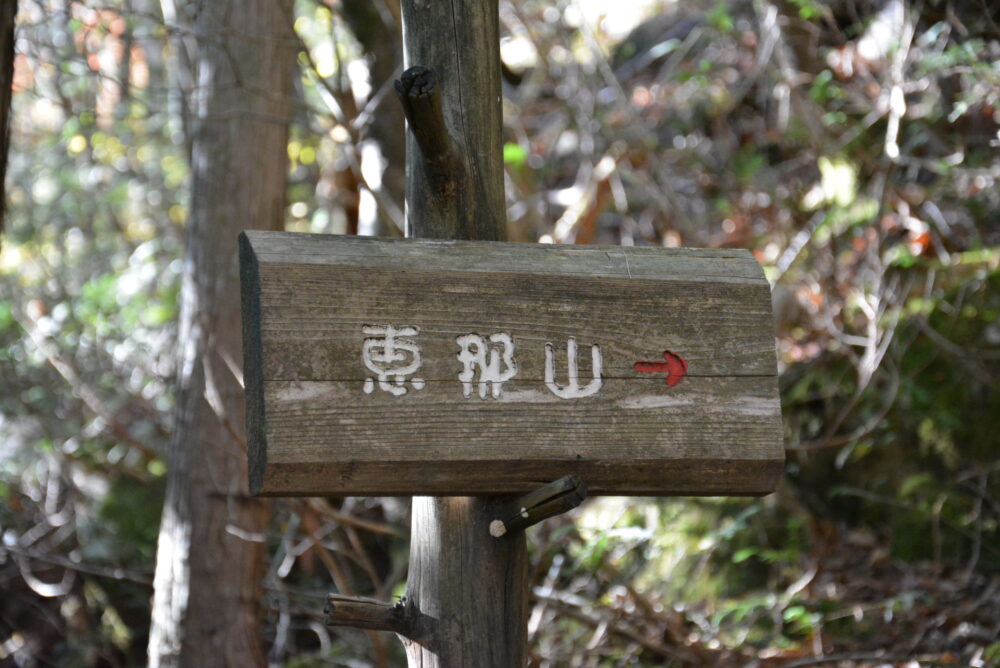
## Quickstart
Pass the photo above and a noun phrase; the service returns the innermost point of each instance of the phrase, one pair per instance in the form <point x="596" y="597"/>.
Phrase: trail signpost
<point x="410" y="367"/>
<point x="441" y="367"/>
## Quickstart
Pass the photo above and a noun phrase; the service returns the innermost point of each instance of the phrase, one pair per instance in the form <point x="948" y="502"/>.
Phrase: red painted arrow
<point x="675" y="367"/>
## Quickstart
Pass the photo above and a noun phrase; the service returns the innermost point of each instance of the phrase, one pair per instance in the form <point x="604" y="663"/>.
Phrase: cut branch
<point x="553" y="499"/>
<point x="421" y="99"/>
<point x="366" y="613"/>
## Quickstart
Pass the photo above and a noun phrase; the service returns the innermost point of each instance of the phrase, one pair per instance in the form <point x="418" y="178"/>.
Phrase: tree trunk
<point x="210" y="557"/>
<point x="378" y="32"/>
<point x="474" y="586"/>
<point x="8" y="14"/>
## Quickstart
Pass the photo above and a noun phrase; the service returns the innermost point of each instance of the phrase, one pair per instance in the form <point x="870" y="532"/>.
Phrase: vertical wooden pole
<point x="472" y="585"/>
<point x="460" y="42"/>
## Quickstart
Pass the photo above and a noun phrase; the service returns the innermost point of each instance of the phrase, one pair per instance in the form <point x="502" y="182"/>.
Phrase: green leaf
<point x="720" y="19"/>
<point x="915" y="482"/>
<point x="6" y="316"/>
<point x="992" y="653"/>
<point x="794" y="613"/>
<point x="157" y="314"/>
<point x="514" y="155"/>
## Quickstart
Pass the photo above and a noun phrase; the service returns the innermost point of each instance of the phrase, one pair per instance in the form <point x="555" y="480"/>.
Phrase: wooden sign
<point x="400" y="367"/>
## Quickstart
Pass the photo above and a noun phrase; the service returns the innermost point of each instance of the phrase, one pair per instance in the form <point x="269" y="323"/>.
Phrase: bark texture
<point x="460" y="43"/>
<point x="8" y="14"/>
<point x="474" y="586"/>
<point x="210" y="554"/>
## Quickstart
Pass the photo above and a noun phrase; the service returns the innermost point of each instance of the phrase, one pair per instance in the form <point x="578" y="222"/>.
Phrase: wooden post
<point x="459" y="43"/>
<point x="474" y="585"/>
<point x="337" y="406"/>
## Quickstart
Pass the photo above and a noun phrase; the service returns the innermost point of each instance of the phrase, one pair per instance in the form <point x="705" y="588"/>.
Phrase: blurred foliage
<point x="852" y="145"/>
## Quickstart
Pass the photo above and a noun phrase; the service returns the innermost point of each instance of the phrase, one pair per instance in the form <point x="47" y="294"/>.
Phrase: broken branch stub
<point x="420" y="96"/>
<point x="553" y="499"/>
<point x="365" y="613"/>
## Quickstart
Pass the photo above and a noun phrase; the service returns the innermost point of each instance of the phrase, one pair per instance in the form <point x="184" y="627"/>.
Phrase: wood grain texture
<point x="459" y="41"/>
<point x="475" y="586"/>
<point x="314" y="429"/>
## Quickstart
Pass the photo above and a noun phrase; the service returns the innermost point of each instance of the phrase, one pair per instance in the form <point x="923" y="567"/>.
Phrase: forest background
<point x="852" y="145"/>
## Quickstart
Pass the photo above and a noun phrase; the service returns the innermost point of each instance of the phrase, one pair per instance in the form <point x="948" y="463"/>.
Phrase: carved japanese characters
<point x="487" y="362"/>
<point x="572" y="389"/>
<point x="392" y="355"/>
<point x="492" y="357"/>
<point x="399" y="367"/>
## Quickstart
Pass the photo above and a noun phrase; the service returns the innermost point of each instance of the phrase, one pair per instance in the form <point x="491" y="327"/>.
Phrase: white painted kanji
<point x="493" y="358"/>
<point x="392" y="355"/>
<point x="572" y="389"/>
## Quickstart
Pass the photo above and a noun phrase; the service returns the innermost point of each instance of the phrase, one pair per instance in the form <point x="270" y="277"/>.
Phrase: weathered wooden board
<point x="398" y="367"/>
